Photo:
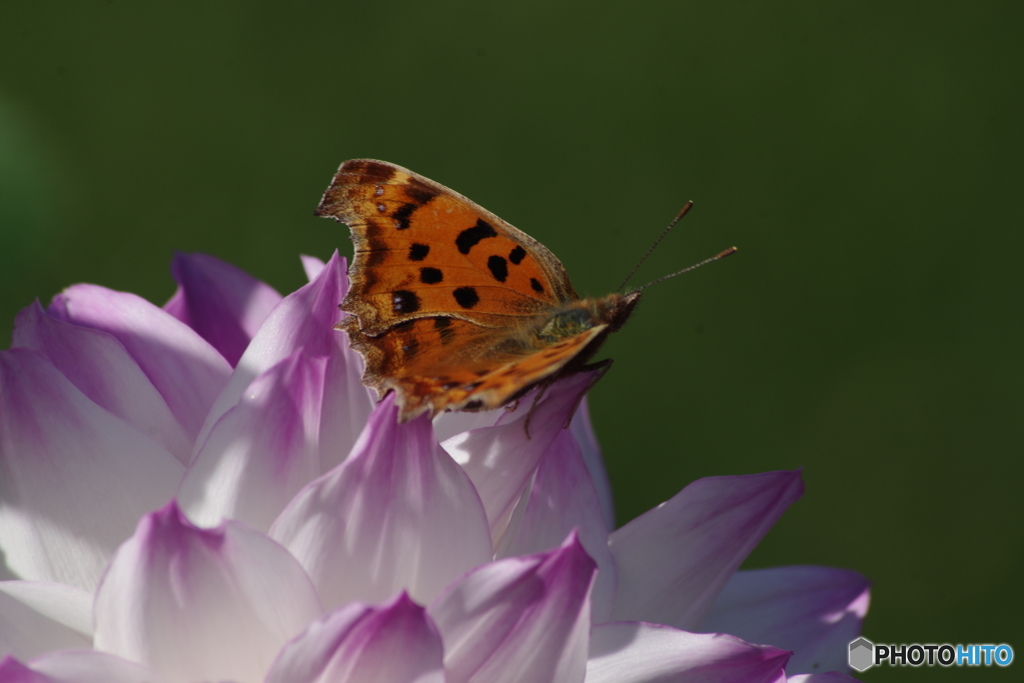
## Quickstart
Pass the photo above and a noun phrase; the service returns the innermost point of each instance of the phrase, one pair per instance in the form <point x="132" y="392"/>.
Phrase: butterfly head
<point x="616" y="308"/>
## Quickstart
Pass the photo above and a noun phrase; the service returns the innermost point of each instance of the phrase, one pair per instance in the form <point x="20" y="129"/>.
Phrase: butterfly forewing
<point x="423" y="250"/>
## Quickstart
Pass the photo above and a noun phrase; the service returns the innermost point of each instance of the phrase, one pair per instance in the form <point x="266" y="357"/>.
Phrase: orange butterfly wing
<point x="448" y="301"/>
<point x="423" y="250"/>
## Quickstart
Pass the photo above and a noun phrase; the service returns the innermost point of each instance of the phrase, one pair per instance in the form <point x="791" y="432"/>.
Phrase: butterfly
<point x="451" y="307"/>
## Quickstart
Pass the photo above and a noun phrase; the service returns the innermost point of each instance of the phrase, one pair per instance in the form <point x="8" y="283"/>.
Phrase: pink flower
<point x="207" y="492"/>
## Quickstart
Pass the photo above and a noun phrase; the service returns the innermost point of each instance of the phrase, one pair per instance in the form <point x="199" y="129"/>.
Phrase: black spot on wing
<point x="369" y="171"/>
<point x="517" y="255"/>
<point x="418" y="252"/>
<point x="498" y="267"/>
<point x="419" y="192"/>
<point x="470" y="237"/>
<point x="431" y="276"/>
<point x="401" y="216"/>
<point x="404" y="301"/>
<point x="444" y="330"/>
<point x="466" y="297"/>
<point x="537" y="286"/>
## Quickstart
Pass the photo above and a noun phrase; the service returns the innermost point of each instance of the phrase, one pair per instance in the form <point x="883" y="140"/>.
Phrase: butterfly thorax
<point x="585" y="314"/>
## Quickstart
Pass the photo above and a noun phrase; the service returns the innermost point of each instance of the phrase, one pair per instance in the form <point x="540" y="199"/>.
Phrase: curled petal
<point x="395" y="643"/>
<point x="201" y="604"/>
<point x="813" y="611"/>
<point x="312" y="266"/>
<point x="519" y="619"/>
<point x="184" y="368"/>
<point x="38" y="617"/>
<point x="262" y="451"/>
<point x="674" y="560"/>
<point x="562" y="498"/>
<point x="100" y="367"/>
<point x="304" y="320"/>
<point x="634" y="652"/>
<point x="61" y="517"/>
<point x="398" y="514"/>
<point x="224" y="304"/>
<point x="77" y="666"/>
<point x="501" y="459"/>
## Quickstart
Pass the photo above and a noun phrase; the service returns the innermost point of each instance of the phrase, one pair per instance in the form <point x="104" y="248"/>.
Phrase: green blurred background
<point x="866" y="157"/>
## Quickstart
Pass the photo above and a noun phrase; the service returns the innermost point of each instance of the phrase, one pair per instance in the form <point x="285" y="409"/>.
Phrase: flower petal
<point x="304" y="319"/>
<point x="262" y="451"/>
<point x="394" y="643"/>
<point x="13" y="671"/>
<point x="634" y="652"/>
<point x="201" y="604"/>
<point x="185" y="369"/>
<point x="448" y="424"/>
<point x="519" y="619"/>
<point x="37" y="617"/>
<point x="224" y="304"/>
<point x="501" y="459"/>
<point x="813" y="611"/>
<point x="77" y="666"/>
<point x="75" y="477"/>
<point x="674" y="560"/>
<point x="562" y="498"/>
<point x="398" y="514"/>
<point x="583" y="430"/>
<point x="828" y="677"/>
<point x="103" y="370"/>
<point x="312" y="266"/>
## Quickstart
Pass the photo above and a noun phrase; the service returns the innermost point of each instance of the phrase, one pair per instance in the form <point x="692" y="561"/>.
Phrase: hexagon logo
<point x="861" y="655"/>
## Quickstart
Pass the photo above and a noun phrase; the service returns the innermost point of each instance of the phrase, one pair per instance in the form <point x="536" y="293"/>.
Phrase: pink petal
<point x="199" y="604"/>
<point x="813" y="611"/>
<point x="262" y="451"/>
<point x="312" y="266"/>
<point x="100" y="367"/>
<point x="501" y="459"/>
<point x="398" y="514"/>
<point x="583" y="430"/>
<point x="562" y="498"/>
<point x="828" y="677"/>
<point x="305" y="320"/>
<point x="75" y="477"/>
<point x="77" y="666"/>
<point x="674" y="560"/>
<point x="519" y="619"/>
<point x="395" y="643"/>
<point x="632" y="652"/>
<point x="224" y="304"/>
<point x="37" y="617"/>
<point x="184" y="368"/>
<point x="451" y="423"/>
<point x="346" y="404"/>
<point x="13" y="671"/>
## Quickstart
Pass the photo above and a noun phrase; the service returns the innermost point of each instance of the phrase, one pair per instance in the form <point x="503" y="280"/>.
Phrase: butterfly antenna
<point x="679" y="217"/>
<point x="728" y="252"/>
